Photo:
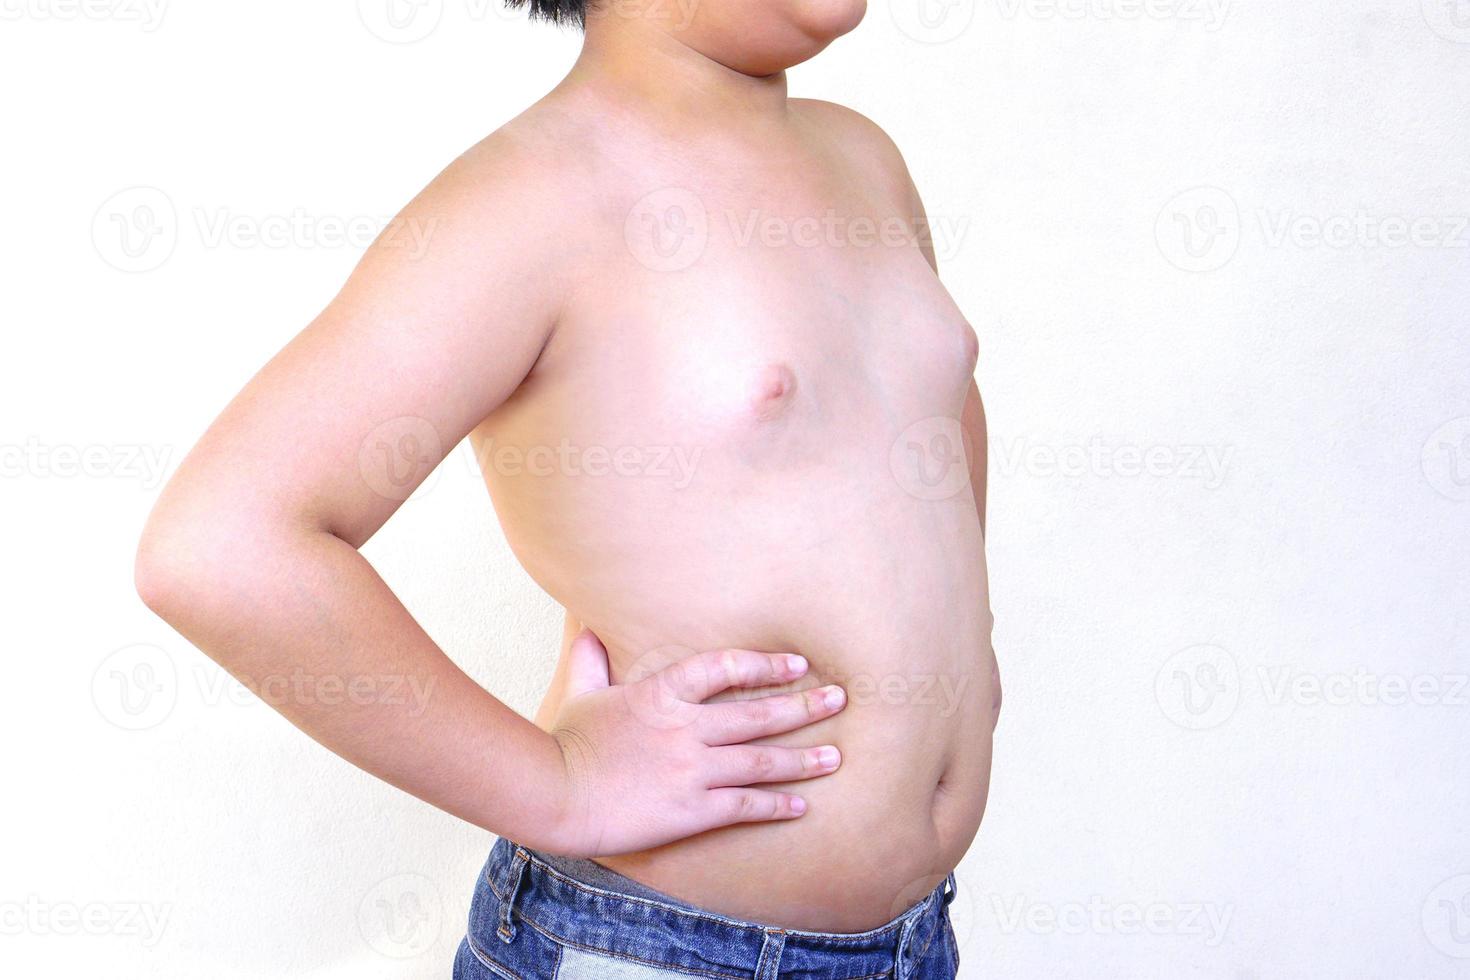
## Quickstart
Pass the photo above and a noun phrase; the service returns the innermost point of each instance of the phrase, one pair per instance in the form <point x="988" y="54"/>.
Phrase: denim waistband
<point x="531" y="892"/>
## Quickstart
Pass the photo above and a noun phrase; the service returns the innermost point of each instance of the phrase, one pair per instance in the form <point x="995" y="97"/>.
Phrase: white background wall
<point x="1235" y="739"/>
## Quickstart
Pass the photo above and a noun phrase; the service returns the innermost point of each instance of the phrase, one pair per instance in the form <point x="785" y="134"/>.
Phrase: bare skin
<point x="556" y="311"/>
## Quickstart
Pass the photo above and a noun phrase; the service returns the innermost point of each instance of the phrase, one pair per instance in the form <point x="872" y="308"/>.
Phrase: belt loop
<point x="951" y="886"/>
<point x="769" y="965"/>
<point x="513" y="878"/>
<point x="905" y="933"/>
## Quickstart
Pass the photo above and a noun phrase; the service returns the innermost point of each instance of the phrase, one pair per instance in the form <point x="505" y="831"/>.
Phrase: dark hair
<point x="556" y="11"/>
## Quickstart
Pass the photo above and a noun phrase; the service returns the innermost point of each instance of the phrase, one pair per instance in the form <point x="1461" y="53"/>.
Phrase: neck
<point x="642" y="63"/>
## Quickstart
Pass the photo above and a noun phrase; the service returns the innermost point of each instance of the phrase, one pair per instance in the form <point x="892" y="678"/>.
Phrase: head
<point x="757" y="37"/>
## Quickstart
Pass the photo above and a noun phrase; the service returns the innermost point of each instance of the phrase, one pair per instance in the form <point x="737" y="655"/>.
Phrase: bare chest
<point x="796" y="335"/>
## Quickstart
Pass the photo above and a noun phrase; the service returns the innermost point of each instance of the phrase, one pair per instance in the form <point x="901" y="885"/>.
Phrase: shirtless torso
<point x="773" y="368"/>
<point x="719" y="394"/>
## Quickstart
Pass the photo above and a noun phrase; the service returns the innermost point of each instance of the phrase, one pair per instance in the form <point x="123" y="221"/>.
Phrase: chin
<point x="826" y="20"/>
<point x="763" y="37"/>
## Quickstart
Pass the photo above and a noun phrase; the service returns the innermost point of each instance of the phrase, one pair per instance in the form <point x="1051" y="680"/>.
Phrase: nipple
<point x="971" y="345"/>
<point x="774" y="388"/>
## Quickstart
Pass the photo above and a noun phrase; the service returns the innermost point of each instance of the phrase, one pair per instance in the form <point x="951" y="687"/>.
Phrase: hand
<point x="648" y="763"/>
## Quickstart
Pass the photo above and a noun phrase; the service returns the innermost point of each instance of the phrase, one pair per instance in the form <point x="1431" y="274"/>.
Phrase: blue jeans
<point x="536" y="917"/>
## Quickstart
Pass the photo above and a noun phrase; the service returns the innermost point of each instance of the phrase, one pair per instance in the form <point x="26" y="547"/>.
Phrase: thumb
<point x="587" y="668"/>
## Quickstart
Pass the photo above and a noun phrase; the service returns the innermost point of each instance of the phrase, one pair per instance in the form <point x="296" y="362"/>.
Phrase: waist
<point x="916" y="738"/>
<point x="538" y="908"/>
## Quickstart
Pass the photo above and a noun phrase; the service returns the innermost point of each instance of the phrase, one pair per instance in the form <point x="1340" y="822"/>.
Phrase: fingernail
<point x="795" y="664"/>
<point x="828" y="757"/>
<point x="798" y="805"/>
<point x="835" y="697"/>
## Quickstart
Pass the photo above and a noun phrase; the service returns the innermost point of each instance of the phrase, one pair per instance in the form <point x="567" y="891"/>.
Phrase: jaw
<point x="827" y="20"/>
<point x="759" y="38"/>
<point x="796" y="32"/>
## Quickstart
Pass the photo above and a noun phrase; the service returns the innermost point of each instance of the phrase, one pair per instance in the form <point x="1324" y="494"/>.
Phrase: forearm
<point x="306" y="622"/>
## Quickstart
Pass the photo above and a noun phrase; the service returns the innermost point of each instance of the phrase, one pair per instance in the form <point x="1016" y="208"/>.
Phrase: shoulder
<point x="875" y="159"/>
<point x="532" y="168"/>
<point x="861" y="141"/>
<point x="501" y="223"/>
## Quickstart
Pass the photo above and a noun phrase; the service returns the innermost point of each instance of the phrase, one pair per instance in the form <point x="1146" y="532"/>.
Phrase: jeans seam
<point x="925" y="951"/>
<point x="486" y="962"/>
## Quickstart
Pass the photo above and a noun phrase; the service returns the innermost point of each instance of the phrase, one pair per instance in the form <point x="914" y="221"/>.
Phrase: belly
<point x="827" y="553"/>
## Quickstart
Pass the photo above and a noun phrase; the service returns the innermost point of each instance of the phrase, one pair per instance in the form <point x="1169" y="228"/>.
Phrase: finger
<point x="587" y="668"/>
<point x="704" y="675"/>
<point x="744" y="805"/>
<point x="731" y="722"/>
<point x="748" y="765"/>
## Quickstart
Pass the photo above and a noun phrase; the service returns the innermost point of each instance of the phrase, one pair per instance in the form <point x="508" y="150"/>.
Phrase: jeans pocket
<point x="473" y="963"/>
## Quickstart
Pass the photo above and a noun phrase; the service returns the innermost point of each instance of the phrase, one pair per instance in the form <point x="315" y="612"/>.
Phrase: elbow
<point x="205" y="575"/>
<point x="182" y="570"/>
<point x="159" y="575"/>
